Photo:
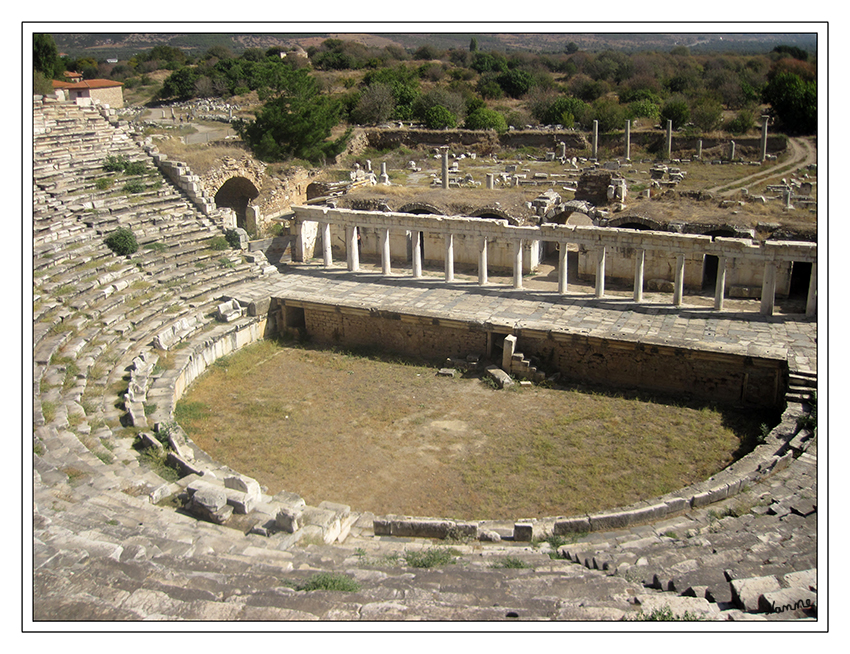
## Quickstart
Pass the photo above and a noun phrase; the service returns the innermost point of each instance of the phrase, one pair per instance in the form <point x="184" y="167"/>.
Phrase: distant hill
<point x="108" y="45"/>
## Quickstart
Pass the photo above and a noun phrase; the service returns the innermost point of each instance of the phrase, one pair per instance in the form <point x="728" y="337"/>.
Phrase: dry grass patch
<point x="392" y="437"/>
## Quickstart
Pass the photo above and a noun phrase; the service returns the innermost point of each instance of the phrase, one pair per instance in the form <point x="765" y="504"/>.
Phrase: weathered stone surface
<point x="788" y="600"/>
<point x="244" y="485"/>
<point x="679" y="606"/>
<point x="571" y="526"/>
<point x="288" y="520"/>
<point x="498" y="375"/>
<point x="210" y="498"/>
<point x="746" y="592"/>
<point x="806" y="579"/>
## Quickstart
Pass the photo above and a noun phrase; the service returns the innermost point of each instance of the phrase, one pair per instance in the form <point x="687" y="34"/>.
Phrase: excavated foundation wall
<point x="730" y="379"/>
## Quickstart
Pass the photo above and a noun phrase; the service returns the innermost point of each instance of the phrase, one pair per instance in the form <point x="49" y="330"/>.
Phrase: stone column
<point x="326" y="245"/>
<point x="445" y="150"/>
<point x="812" y="299"/>
<point x="518" y="263"/>
<point x="768" y="289"/>
<point x="450" y="257"/>
<point x="668" y="148"/>
<point x="628" y="140"/>
<point x="679" y="282"/>
<point x="562" y="268"/>
<point x="352" y="249"/>
<point x="595" y="139"/>
<point x="490" y="181"/>
<point x="640" y="260"/>
<point x="562" y="150"/>
<point x="764" y="137"/>
<point x="482" y="261"/>
<point x="385" y="178"/>
<point x="731" y="150"/>
<point x="415" y="238"/>
<point x="699" y="149"/>
<point x="386" y="261"/>
<point x="600" y="271"/>
<point x="720" y="284"/>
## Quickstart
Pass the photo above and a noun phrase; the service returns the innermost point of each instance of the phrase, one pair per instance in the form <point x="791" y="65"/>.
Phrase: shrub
<point x="676" y="109"/>
<point x="486" y="119"/>
<point x="219" y="243"/>
<point x="134" y="187"/>
<point x="643" y="109"/>
<point x="233" y="239"/>
<point x="742" y="123"/>
<point x="511" y="563"/>
<point x="122" y="242"/>
<point x="430" y="558"/>
<point x="439" y="118"/>
<point x="114" y="164"/>
<point x="135" y="168"/>
<point x="330" y="581"/>
<point x="103" y="183"/>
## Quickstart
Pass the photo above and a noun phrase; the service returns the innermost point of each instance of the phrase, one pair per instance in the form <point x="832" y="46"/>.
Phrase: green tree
<point x="297" y="123"/>
<point x="180" y="84"/>
<point x="441" y="97"/>
<point x="610" y="114"/>
<point x="707" y="113"/>
<point x="45" y="55"/>
<point x="677" y="110"/>
<point x="484" y="118"/>
<point x="515" y="83"/>
<point x="438" y="117"/>
<point x="405" y="85"/>
<point x="473" y="44"/>
<point x="489" y="62"/>
<point x="375" y="105"/>
<point x="794" y="102"/>
<point x="562" y="110"/>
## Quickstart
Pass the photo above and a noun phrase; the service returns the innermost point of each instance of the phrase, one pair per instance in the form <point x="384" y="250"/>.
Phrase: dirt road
<point x="803" y="153"/>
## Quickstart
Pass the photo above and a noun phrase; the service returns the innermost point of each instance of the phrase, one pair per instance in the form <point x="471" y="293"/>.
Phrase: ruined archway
<point x="711" y="262"/>
<point x="419" y="209"/>
<point x="636" y="222"/>
<point x="237" y="193"/>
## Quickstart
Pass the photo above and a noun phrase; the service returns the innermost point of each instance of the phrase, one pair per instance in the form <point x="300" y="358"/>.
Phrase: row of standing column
<point x="768" y="285"/>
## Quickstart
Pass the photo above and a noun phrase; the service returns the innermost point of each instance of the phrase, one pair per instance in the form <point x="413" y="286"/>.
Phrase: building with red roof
<point x="103" y="91"/>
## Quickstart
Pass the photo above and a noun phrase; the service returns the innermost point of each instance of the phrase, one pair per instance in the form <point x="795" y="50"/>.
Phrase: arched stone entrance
<point x="419" y="209"/>
<point x="237" y="193"/>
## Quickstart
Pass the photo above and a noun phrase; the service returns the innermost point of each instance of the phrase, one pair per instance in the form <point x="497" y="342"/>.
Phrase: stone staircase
<point x="118" y="537"/>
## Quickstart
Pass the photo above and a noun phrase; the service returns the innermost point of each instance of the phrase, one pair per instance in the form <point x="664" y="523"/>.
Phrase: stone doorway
<point x="801" y="275"/>
<point x="237" y="193"/>
<point x="710" y="266"/>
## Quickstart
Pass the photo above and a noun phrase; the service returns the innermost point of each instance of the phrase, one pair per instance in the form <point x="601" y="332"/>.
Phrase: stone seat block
<point x="746" y="592"/>
<point x="328" y="521"/>
<point x="787" y="600"/>
<point x="239" y="501"/>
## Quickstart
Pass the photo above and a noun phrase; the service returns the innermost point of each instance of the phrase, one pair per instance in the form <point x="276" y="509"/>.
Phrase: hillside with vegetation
<point x="301" y="100"/>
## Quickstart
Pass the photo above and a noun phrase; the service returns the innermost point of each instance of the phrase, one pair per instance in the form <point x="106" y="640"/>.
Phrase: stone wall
<point x="715" y="376"/>
<point x="735" y="379"/>
<point x="482" y="140"/>
<point x="276" y="195"/>
<point x="398" y="333"/>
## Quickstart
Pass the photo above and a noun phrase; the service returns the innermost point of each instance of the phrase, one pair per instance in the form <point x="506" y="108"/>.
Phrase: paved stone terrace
<point x="741" y="329"/>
